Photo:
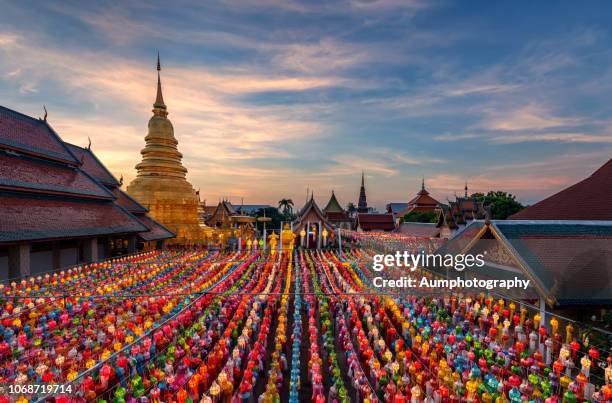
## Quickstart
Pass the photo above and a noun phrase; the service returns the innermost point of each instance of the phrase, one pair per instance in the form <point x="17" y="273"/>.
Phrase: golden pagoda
<point x="160" y="184"/>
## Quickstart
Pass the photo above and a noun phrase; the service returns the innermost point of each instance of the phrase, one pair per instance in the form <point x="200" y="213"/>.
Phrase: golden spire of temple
<point x="160" y="184"/>
<point x="159" y="107"/>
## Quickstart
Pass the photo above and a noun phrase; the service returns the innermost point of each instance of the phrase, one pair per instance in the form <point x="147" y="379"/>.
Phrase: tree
<point x="351" y="209"/>
<point x="501" y="204"/>
<point x="287" y="206"/>
<point x="420" y="216"/>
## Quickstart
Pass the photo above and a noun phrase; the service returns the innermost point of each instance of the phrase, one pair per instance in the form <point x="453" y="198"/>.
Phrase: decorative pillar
<point x="308" y="235"/>
<point x="339" y="242"/>
<point x="265" y="238"/>
<point x="543" y="312"/>
<point x="90" y="250"/>
<point x="319" y="236"/>
<point x="19" y="261"/>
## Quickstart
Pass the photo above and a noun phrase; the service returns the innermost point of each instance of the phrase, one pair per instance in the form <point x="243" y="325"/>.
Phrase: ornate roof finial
<point x="121" y="181"/>
<point x="466" y="190"/>
<point x="45" y="117"/>
<point x="89" y="143"/>
<point x="362" y="179"/>
<point x="423" y="183"/>
<point x="159" y="105"/>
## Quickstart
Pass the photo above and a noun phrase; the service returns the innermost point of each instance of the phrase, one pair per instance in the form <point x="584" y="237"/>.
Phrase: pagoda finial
<point x="466" y="190"/>
<point x="159" y="105"/>
<point x="423" y="183"/>
<point x="362" y="179"/>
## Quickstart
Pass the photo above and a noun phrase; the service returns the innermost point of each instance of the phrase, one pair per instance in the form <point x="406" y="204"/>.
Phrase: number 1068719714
<point x="37" y="389"/>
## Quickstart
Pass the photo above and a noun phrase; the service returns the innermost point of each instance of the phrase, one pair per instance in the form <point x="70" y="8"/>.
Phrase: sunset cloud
<point x="270" y="98"/>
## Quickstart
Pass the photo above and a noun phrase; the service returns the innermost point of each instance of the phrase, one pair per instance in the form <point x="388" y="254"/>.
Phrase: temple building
<point x="160" y="184"/>
<point x="59" y="206"/>
<point x="362" y="205"/>
<point x="312" y="229"/>
<point x="382" y="222"/>
<point x="230" y="225"/>
<point x="568" y="262"/>
<point x="422" y="202"/>
<point x="459" y="213"/>
<point x="336" y="215"/>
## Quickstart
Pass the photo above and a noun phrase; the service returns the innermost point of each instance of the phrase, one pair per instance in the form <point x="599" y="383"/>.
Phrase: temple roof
<point x="569" y="262"/>
<point x="92" y="165"/>
<point x="52" y="191"/>
<point x="26" y="217"/>
<point x="372" y="222"/>
<point x="21" y="173"/>
<point x="419" y="229"/>
<point x="27" y="135"/>
<point x="311" y="205"/>
<point x="589" y="199"/>
<point x="127" y="202"/>
<point x="156" y="230"/>
<point x="362" y="204"/>
<point x="423" y="198"/>
<point x="333" y="205"/>
<point x="337" y="216"/>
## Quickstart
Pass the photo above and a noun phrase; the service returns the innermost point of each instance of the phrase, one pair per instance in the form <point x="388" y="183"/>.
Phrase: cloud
<point x="553" y="137"/>
<point x="528" y="117"/>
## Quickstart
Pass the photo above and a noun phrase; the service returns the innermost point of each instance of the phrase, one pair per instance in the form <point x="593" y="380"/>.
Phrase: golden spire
<point x="159" y="107"/>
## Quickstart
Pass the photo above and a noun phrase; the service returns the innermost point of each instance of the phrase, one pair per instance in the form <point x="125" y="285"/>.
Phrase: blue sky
<point x="268" y="98"/>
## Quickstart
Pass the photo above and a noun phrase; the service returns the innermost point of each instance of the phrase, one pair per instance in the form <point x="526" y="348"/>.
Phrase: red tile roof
<point x="33" y="136"/>
<point x="369" y="222"/>
<point x="27" y="217"/>
<point x="127" y="202"/>
<point x="92" y="165"/>
<point x="32" y="174"/>
<point x="419" y="229"/>
<point x="156" y="230"/>
<point x="337" y="216"/>
<point x="423" y="199"/>
<point x="589" y="199"/>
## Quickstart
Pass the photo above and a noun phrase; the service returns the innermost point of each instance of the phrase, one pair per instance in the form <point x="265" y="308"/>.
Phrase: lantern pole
<point x="280" y="239"/>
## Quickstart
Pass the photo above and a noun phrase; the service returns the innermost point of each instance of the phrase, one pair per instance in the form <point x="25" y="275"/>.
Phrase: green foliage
<point x="351" y="209"/>
<point x="420" y="216"/>
<point x="501" y="204"/>
<point x="286" y="205"/>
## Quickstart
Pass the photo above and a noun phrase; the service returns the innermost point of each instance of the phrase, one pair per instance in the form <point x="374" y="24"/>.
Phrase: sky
<point x="270" y="98"/>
